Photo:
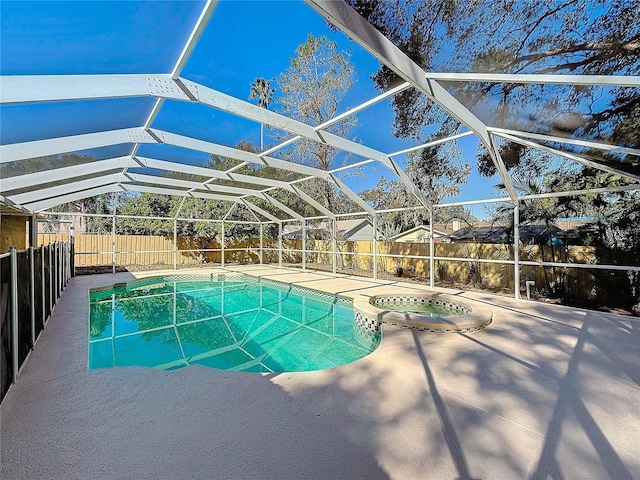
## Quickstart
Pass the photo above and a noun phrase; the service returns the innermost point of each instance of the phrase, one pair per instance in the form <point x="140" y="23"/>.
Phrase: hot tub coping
<point x="479" y="316"/>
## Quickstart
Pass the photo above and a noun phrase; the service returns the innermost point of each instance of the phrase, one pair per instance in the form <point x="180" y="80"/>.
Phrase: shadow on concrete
<point x="612" y="353"/>
<point x="448" y="430"/>
<point x="569" y="399"/>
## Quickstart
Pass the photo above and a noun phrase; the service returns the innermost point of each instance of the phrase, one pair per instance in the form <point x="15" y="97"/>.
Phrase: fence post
<point x="43" y="285"/>
<point x="279" y="244"/>
<point x="50" y="277"/>
<point x="222" y="252"/>
<point x="60" y="269"/>
<point x="374" y="246"/>
<point x="14" y="311"/>
<point x="113" y="245"/>
<point x="32" y="293"/>
<point x="66" y="263"/>
<point x="261" y="243"/>
<point x="63" y="266"/>
<point x="175" y="244"/>
<point x="55" y="273"/>
<point x="516" y="250"/>
<point x="431" y="250"/>
<point x="304" y="244"/>
<point x="334" y="242"/>
<point x="72" y="256"/>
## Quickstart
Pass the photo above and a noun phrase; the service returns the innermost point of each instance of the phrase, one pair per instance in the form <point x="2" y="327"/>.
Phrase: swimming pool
<point x="234" y="323"/>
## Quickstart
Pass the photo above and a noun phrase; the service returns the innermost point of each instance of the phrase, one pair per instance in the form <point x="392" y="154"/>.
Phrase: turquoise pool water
<point x="232" y="324"/>
<point x="422" y="309"/>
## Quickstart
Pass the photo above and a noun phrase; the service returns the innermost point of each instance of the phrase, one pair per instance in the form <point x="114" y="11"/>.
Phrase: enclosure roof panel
<point x="153" y="97"/>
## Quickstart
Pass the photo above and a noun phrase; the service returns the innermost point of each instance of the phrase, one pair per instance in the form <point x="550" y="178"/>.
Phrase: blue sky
<point x="244" y="40"/>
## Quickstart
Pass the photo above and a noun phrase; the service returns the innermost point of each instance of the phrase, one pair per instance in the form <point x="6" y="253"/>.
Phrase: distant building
<point x="535" y="233"/>
<point x="421" y="234"/>
<point x="349" y="230"/>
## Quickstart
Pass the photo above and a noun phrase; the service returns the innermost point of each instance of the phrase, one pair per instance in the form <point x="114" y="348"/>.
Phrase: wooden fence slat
<point x="148" y="250"/>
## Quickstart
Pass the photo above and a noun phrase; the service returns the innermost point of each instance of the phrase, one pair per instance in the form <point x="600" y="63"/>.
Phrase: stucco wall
<point x="13" y="231"/>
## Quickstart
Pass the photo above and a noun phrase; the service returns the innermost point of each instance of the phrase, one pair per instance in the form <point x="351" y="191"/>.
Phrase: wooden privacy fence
<point x="149" y="250"/>
<point x="464" y="263"/>
<point x="455" y="262"/>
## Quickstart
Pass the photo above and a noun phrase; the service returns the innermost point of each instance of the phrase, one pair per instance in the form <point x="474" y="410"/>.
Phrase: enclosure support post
<point x="175" y="244"/>
<point x="65" y="264"/>
<point x="32" y="292"/>
<point x="63" y="270"/>
<point x="55" y="273"/>
<point x="261" y="243"/>
<point x="431" y="250"/>
<point x="334" y="241"/>
<point x="72" y="248"/>
<point x="33" y="231"/>
<point x="50" y="279"/>
<point x="14" y="311"/>
<point x="222" y="247"/>
<point x="279" y="244"/>
<point x="113" y="233"/>
<point x="72" y="253"/>
<point x="60" y="269"/>
<point x="43" y="285"/>
<point x="304" y="244"/>
<point x="374" y="246"/>
<point x="516" y="250"/>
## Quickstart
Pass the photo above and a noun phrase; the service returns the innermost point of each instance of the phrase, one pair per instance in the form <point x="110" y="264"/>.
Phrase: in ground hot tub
<point x="427" y="311"/>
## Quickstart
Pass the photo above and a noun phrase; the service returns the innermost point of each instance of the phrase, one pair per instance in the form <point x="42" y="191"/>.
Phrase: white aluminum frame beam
<point x="229" y="212"/>
<point x="54" y="146"/>
<point x="87" y="141"/>
<point x="194" y="37"/>
<point x="569" y="141"/>
<point x="282" y="207"/>
<point x="65" y="188"/>
<point x="211" y="173"/>
<point x="176" y="192"/>
<point x="254" y="208"/>
<point x="58" y="88"/>
<point x="227" y="103"/>
<point x="72" y="197"/>
<point x="432" y="143"/>
<point x="357" y="28"/>
<point x="355" y="198"/>
<point x="594" y="80"/>
<point x="571" y="156"/>
<point x="181" y="62"/>
<point x="235" y="153"/>
<point x="163" y="86"/>
<point x="575" y="193"/>
<point x="63" y="174"/>
<point x="197" y="187"/>
<point x="314" y="203"/>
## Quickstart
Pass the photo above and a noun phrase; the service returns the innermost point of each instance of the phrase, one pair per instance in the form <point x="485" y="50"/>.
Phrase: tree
<point x="391" y="194"/>
<point x="261" y="89"/>
<point x="599" y="37"/>
<point x="312" y="88"/>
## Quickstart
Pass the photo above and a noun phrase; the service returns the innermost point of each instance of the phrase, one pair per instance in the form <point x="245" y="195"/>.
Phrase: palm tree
<point x="261" y="89"/>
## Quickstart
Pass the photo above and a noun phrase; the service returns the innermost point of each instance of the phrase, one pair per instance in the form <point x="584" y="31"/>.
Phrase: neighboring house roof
<point x="567" y="224"/>
<point x="501" y="234"/>
<point x="438" y="231"/>
<point x="347" y="229"/>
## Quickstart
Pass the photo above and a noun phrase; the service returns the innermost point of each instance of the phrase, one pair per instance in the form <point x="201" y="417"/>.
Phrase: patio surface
<point x="544" y="392"/>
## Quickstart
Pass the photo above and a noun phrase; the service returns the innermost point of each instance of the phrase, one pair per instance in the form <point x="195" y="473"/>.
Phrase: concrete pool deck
<point x="544" y="392"/>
